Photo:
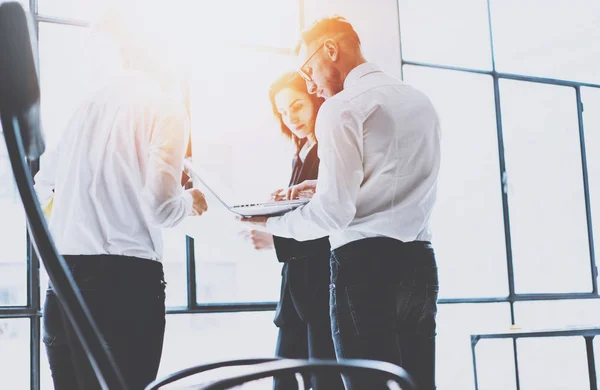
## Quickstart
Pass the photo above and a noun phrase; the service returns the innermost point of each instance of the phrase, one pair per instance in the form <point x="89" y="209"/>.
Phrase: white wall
<point x="376" y="22"/>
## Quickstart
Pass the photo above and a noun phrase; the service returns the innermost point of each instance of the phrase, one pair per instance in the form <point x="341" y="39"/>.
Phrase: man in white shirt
<point x="379" y="145"/>
<point x="115" y="181"/>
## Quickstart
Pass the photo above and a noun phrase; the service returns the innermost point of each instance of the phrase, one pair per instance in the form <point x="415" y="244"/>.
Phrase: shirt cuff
<point x="275" y="226"/>
<point x="188" y="201"/>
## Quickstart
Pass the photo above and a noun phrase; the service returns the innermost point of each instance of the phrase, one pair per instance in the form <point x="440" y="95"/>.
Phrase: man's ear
<point x="333" y="49"/>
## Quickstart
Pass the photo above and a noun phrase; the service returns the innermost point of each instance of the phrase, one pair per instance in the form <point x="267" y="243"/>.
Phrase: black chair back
<point x="185" y="373"/>
<point x="390" y="374"/>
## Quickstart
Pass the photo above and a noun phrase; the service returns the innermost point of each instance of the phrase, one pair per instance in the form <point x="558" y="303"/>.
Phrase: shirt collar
<point x="358" y="72"/>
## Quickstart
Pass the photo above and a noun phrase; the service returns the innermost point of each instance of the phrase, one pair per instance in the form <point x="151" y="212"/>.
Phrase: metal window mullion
<point x="191" y="273"/>
<point x="504" y="188"/>
<point x="502" y="166"/>
<point x="61" y="21"/>
<point x="35" y="352"/>
<point x="225" y="307"/>
<point x="491" y="34"/>
<point x="17" y="312"/>
<point x="34" y="303"/>
<point x="33" y="268"/>
<point x="586" y="191"/>
<point x="515" y="348"/>
<point x="504" y="191"/>
<point x="190" y="251"/>
<point x="501" y="75"/>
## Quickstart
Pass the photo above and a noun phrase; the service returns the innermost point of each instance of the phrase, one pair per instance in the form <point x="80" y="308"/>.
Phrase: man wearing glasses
<point x="379" y="145"/>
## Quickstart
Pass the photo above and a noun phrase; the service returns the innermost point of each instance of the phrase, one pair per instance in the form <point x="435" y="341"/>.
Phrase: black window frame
<point x="32" y="310"/>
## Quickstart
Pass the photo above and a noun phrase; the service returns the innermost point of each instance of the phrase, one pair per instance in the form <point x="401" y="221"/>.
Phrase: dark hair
<point x="293" y="81"/>
<point x="329" y="27"/>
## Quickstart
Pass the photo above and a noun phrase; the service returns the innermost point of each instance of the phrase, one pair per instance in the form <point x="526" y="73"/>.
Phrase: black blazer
<point x="287" y="248"/>
<point x="305" y="273"/>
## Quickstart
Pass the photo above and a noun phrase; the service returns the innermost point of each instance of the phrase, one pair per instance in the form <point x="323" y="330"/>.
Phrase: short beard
<point x="334" y="80"/>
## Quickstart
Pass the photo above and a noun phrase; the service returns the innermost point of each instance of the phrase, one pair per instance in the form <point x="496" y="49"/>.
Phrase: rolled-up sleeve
<point x="340" y="135"/>
<point x="166" y="202"/>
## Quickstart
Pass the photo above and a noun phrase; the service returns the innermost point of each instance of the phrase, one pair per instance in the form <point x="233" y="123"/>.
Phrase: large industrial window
<point x="517" y="87"/>
<point x="516" y="84"/>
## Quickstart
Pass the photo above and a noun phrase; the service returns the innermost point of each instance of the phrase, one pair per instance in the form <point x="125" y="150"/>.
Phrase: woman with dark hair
<point x="303" y="310"/>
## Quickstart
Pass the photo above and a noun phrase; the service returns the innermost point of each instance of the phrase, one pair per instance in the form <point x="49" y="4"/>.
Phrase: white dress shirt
<point x="116" y="172"/>
<point x="379" y="146"/>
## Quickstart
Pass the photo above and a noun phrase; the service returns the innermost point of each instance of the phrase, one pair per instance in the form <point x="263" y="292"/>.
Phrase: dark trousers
<point x="303" y="321"/>
<point x="383" y="307"/>
<point x="302" y="342"/>
<point x="126" y="297"/>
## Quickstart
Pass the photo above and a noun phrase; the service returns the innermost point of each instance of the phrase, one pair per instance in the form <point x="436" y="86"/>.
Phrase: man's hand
<point x="259" y="222"/>
<point x="199" y="205"/>
<point x="306" y="189"/>
<point x="260" y="240"/>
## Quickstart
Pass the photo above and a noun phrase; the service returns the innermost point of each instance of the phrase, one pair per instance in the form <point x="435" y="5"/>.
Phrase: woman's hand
<point x="278" y="195"/>
<point x="306" y="189"/>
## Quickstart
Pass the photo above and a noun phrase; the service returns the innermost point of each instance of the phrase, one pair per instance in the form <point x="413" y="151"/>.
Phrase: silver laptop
<point x="249" y="210"/>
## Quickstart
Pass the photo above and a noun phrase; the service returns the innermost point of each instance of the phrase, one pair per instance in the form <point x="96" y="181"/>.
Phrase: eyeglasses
<point x="303" y="72"/>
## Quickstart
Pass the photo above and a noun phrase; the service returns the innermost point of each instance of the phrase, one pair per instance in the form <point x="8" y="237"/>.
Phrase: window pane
<point x="591" y="118"/>
<point x="63" y="76"/>
<point x="495" y="365"/>
<point x="456" y="323"/>
<point x="545" y="188"/>
<point x="70" y="9"/>
<point x="446" y="32"/>
<point x="274" y="23"/>
<point x="557" y="314"/>
<point x="193" y="339"/>
<point x="238" y="147"/>
<point x="13" y="237"/>
<point x="14" y="358"/>
<point x="175" y="267"/>
<point x="564" y="357"/>
<point x="555" y="39"/>
<point x="468" y="226"/>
